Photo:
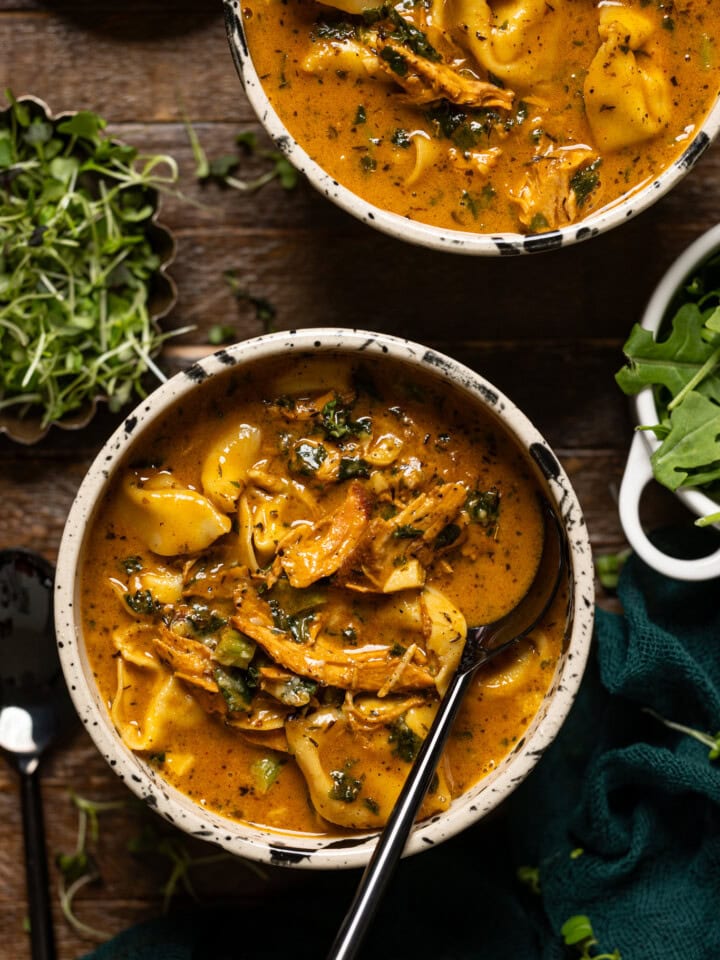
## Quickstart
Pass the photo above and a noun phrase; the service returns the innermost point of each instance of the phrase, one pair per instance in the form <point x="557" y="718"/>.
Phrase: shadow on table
<point x="137" y="20"/>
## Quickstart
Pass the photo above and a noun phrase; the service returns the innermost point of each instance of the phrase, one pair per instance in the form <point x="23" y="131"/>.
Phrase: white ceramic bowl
<point x="440" y="238"/>
<point x="638" y="470"/>
<point x="304" y="850"/>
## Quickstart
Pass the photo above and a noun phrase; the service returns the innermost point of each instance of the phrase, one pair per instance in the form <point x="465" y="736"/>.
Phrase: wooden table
<point x="546" y="329"/>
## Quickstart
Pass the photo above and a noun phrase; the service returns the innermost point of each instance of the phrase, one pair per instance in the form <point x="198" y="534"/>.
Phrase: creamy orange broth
<point x="156" y="666"/>
<point x="499" y="116"/>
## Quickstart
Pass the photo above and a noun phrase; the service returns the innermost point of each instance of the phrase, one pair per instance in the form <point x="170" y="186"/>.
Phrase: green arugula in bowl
<point x="79" y="257"/>
<point x="683" y="369"/>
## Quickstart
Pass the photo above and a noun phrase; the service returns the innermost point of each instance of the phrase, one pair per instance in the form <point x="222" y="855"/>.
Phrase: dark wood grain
<point x="546" y="330"/>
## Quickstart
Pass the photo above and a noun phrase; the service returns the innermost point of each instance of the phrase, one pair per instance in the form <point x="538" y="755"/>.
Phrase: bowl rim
<point x="440" y="238"/>
<point x="644" y="406"/>
<point x="274" y="846"/>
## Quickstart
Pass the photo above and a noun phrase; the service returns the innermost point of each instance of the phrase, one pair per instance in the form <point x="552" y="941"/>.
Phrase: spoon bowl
<point x="35" y="709"/>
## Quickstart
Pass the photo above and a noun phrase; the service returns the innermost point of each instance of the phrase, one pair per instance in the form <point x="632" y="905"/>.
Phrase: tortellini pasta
<point x="626" y="92"/>
<point x="171" y="519"/>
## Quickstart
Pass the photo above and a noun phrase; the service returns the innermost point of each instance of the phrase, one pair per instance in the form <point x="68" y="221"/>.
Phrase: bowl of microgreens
<point x="673" y="374"/>
<point x="82" y="268"/>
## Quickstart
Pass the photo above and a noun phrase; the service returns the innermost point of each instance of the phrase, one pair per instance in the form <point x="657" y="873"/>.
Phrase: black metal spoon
<point x="482" y="645"/>
<point x="34" y="708"/>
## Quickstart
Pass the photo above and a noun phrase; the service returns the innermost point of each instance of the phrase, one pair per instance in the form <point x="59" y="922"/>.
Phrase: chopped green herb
<point x="265" y="772"/>
<point x="401" y="139"/>
<point x="447" y="536"/>
<point x="406" y="741"/>
<point x="234" y="649"/>
<point x="131" y="565"/>
<point x="345" y="787"/>
<point x="143" y="602"/>
<point x="337" y="423"/>
<point x="234" y="689"/>
<point x="298" y="626"/>
<point x="360" y="116"/>
<point x="353" y="467"/>
<point x="483" y="506"/>
<point x="396" y="61"/>
<point x="372" y="805"/>
<point x="585" y="181"/>
<point x="407" y="532"/>
<point x="309" y="457"/>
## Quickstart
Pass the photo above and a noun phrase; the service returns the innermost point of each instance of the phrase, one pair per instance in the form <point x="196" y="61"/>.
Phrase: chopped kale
<point x="585" y="181"/>
<point x="483" y="506"/>
<point x="401" y="139"/>
<point x="143" y="602"/>
<point x="337" y="423"/>
<point x="353" y="467"/>
<point x="131" y="565"/>
<point x="297" y="691"/>
<point x="409" y="36"/>
<point x="345" y="787"/>
<point x="234" y="649"/>
<point x="447" y="536"/>
<point x="203" y="620"/>
<point x="334" y="30"/>
<point x="407" y="532"/>
<point x="308" y="457"/>
<point x="297" y="626"/>
<point x="234" y="689"/>
<point x="406" y="741"/>
<point x="396" y="61"/>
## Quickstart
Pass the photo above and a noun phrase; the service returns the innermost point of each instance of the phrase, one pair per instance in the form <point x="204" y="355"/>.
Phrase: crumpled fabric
<point x="621" y="817"/>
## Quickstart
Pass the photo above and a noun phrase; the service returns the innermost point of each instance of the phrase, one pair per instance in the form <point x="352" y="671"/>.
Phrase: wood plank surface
<point x="547" y="330"/>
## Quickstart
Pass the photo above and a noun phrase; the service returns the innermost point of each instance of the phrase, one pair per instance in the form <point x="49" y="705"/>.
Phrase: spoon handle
<point x="391" y="842"/>
<point x="41" y="929"/>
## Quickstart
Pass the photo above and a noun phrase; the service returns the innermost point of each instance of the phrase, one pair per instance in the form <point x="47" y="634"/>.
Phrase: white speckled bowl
<point x="440" y="238"/>
<point x="291" y="848"/>
<point x="638" y="470"/>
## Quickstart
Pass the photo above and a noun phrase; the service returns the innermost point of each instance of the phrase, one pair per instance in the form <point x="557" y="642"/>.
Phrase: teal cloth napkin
<point x="621" y="817"/>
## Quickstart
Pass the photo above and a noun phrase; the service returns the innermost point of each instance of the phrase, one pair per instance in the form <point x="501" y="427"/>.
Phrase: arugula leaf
<point x="684" y="370"/>
<point x="690" y="453"/>
<point x="671" y="362"/>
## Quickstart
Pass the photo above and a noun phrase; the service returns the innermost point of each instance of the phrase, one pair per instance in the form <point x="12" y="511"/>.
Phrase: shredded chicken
<point x="410" y="535"/>
<point x="545" y="199"/>
<point x="329" y="665"/>
<point x="320" y="550"/>
<point x="425" y="81"/>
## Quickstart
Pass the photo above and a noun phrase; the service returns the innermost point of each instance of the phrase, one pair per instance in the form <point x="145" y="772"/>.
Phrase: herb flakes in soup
<point x="280" y="623"/>
<point x="489" y="115"/>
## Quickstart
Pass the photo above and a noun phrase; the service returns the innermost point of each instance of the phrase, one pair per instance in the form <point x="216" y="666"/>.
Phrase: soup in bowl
<point x="266" y="580"/>
<point x="484" y="126"/>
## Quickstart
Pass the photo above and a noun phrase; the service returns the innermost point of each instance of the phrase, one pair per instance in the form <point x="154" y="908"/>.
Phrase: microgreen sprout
<point x="577" y="932"/>
<point x="608" y="567"/>
<point x="79" y="868"/>
<point x="76" y="263"/>
<point x="222" y="170"/>
<point x="707" y="739"/>
<point x="172" y="848"/>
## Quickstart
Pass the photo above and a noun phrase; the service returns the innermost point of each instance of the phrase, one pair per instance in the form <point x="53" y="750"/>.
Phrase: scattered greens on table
<point x="684" y="371"/>
<point x="75" y="263"/>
